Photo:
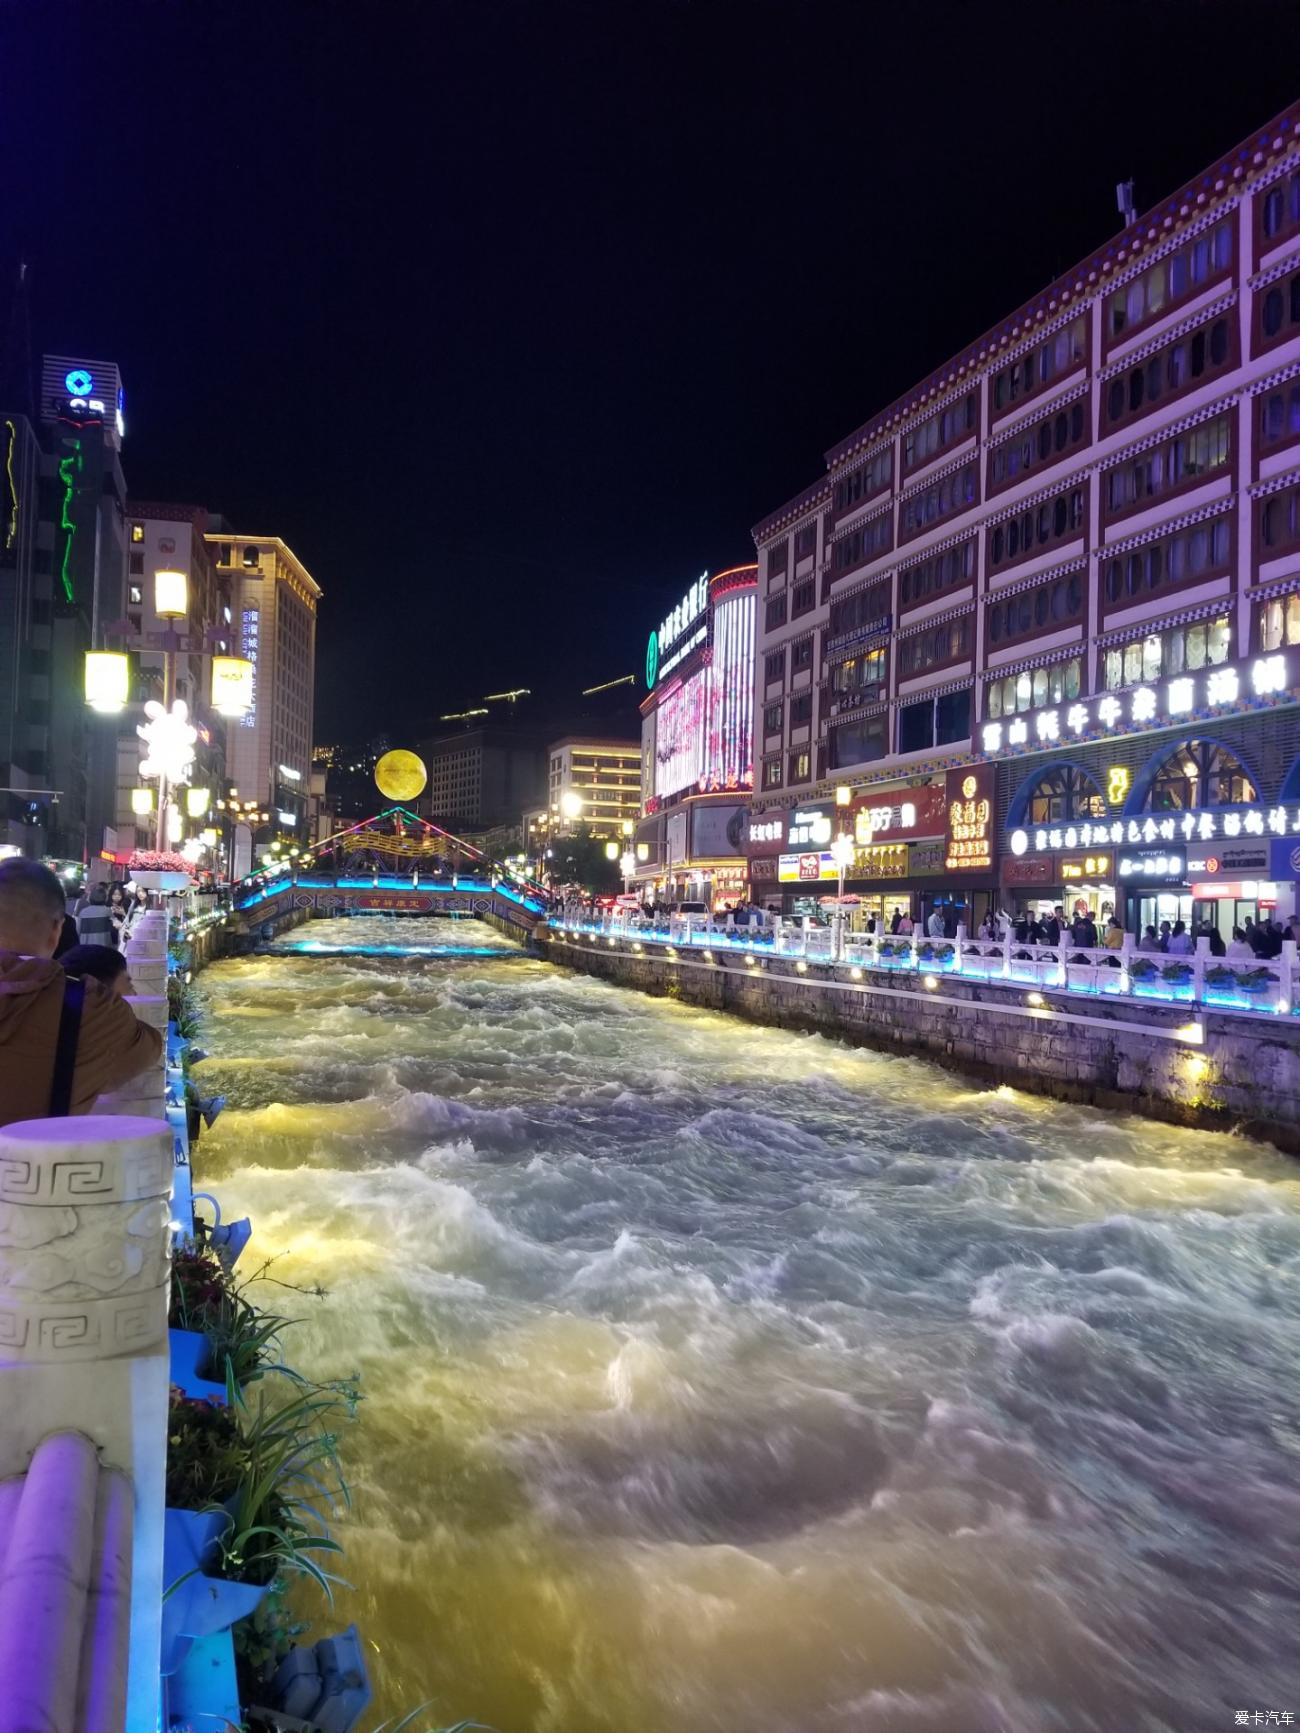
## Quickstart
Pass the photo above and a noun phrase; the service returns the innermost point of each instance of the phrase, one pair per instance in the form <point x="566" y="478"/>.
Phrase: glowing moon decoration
<point x="401" y="775"/>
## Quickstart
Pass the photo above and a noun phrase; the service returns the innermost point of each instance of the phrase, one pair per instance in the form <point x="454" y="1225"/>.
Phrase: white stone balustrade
<point x="84" y="1264"/>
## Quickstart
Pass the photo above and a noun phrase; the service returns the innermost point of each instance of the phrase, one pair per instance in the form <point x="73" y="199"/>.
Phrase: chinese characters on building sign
<point x="658" y="660"/>
<point x="1250" y="686"/>
<point x="765" y="830"/>
<point x="809" y="828"/>
<point x="970" y="820"/>
<point x="1085" y="866"/>
<point x="251" y="628"/>
<point x="1186" y="827"/>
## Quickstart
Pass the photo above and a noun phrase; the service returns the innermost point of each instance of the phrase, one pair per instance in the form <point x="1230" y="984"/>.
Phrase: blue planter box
<point x="201" y="1607"/>
<point x="190" y="1350"/>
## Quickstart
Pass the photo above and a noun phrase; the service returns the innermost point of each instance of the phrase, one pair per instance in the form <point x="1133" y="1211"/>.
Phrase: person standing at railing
<point x="1180" y="941"/>
<point x="1239" y="950"/>
<point x="1114" y="939"/>
<point x="1084" y="933"/>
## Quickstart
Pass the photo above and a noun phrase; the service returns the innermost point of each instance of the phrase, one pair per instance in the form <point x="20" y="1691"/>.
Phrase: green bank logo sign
<point x="652" y="660"/>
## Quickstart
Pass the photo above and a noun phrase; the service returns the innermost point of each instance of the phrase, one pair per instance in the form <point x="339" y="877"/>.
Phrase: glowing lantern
<point x="232" y="686"/>
<point x="169" y="738"/>
<point x="196" y="801"/>
<point x="108" y="680"/>
<point x="171" y="595"/>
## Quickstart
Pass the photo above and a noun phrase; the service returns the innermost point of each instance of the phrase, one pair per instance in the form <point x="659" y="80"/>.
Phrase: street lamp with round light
<point x="571" y="803"/>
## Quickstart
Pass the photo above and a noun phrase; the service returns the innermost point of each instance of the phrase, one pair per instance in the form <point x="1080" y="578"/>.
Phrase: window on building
<point x="772" y="719"/>
<point x="136" y="565"/>
<point x="1046" y="607"/>
<point x="137" y="532"/>
<point x="1177" y="650"/>
<point x="1031" y="689"/>
<point x="778" y="557"/>
<point x="252" y="558"/>
<point x="135" y="594"/>
<point x="1278" y="516"/>
<point x="868" y="542"/>
<point x="800" y="766"/>
<point x="1280" y="208"/>
<point x="940" y="431"/>
<point x="1191" y="456"/>
<point x="1063" y="793"/>
<point x="934" y="647"/>
<point x="1199" y="773"/>
<point x="1279" y="416"/>
<point x="1040" y="366"/>
<point x="865" y="609"/>
<point x="1038" y="527"/>
<point x="1042" y="443"/>
<point x="771" y="773"/>
<point x="865" y="481"/>
<point x="801" y="710"/>
<point x="1170" y="280"/>
<point x="952" y="717"/>
<point x="916" y="726"/>
<point x="860" y="742"/>
<point x="801" y="655"/>
<point x="1279" y="622"/>
<point x="1193" y="358"/>
<point x="774" y="666"/>
<point x="1189" y="555"/>
<point x="862" y="678"/>
<point x="942" y="499"/>
<point x="805" y="541"/>
<point x="935" y="576"/>
<point x="803" y="598"/>
<point x="775" y="615"/>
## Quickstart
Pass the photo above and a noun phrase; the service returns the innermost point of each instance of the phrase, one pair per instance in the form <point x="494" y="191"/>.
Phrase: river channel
<point x="719" y="1377"/>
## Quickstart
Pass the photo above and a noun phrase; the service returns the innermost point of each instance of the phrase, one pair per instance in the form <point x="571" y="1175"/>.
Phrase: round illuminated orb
<point x="401" y="775"/>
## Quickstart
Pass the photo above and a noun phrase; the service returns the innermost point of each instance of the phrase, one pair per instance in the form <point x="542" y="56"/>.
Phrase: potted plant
<point x="1176" y="974"/>
<point x="1256" y="981"/>
<point x="159" y="870"/>
<point x="1220" y="976"/>
<point x="1144" y="970"/>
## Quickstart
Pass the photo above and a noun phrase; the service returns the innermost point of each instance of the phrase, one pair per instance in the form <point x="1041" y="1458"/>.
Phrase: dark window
<point x="864" y="482"/>
<point x="776" y="613"/>
<point x="1050" y="360"/>
<point x="869" y="607"/>
<point x="801" y="709"/>
<point x="251" y="558"/>
<point x="934" y="647"/>
<point x="860" y="742"/>
<point x="936" y="575"/>
<point x="1010" y="617"/>
<point x="942" y="499"/>
<point x="805" y="541"/>
<point x="1154" y="291"/>
<point x="1132" y="394"/>
<point x="1187" y="555"/>
<point x="946" y="428"/>
<point x="137" y="565"/>
<point x="803" y="598"/>
<point x="916" y="726"/>
<point x="778" y="556"/>
<point x="772" y="719"/>
<point x="801" y="655"/>
<point x="952" y="717"/>
<point x="1036" y="529"/>
<point x="774" y="665"/>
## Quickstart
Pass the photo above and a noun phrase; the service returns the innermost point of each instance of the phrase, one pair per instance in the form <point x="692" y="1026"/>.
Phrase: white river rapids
<point x="723" y="1378"/>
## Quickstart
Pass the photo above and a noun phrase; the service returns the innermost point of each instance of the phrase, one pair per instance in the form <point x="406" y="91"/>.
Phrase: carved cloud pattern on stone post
<point x="83" y="1238"/>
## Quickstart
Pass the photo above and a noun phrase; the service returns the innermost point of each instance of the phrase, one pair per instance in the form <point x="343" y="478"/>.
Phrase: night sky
<point x="512" y="318"/>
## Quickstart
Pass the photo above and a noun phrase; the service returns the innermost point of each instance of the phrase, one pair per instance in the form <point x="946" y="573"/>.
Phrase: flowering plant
<point x="158" y="860"/>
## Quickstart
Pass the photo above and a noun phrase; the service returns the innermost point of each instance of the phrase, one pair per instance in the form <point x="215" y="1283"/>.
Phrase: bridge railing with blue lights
<point x="1269" y="987"/>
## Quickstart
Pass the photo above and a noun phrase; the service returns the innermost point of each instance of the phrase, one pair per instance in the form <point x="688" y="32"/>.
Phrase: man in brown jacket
<point x="112" y="1045"/>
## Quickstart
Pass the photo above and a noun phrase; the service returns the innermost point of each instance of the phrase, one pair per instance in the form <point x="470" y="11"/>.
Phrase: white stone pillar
<point x="84" y="1264"/>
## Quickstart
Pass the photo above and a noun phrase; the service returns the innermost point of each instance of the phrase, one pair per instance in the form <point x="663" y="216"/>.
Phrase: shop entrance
<point x="879" y="906"/>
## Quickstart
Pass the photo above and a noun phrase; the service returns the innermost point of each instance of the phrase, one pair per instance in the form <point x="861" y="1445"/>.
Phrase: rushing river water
<point x="723" y="1378"/>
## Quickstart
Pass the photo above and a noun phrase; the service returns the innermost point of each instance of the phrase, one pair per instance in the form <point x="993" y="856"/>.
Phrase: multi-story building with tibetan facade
<point x="1038" y="623"/>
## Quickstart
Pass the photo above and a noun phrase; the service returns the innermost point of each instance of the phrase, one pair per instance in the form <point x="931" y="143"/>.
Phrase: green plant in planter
<point x="206" y="1453"/>
<point x="244" y="1340"/>
<point x="1177" y="974"/>
<point x="292" y="1459"/>
<point x="1220" y="976"/>
<point x="886" y="950"/>
<point x="182" y="1007"/>
<point x="1143" y="970"/>
<point x="264" y="1638"/>
<point x="1256" y="980"/>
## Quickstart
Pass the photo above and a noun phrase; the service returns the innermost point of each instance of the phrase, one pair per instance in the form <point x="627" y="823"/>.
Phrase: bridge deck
<point x="388" y="895"/>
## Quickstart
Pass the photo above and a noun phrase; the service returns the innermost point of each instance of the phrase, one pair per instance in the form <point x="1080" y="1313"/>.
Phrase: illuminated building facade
<point x="273" y="602"/>
<point x="595" y="784"/>
<point x="62" y="565"/>
<point x="697" y="754"/>
<point x="1071" y="558"/>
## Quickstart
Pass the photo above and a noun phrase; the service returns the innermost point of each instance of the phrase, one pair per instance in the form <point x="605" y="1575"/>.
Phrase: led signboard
<point x="1183" y="828"/>
<point x="664" y="651"/>
<point x="970" y="819"/>
<point x="1256" y="685"/>
<point x="799" y="868"/>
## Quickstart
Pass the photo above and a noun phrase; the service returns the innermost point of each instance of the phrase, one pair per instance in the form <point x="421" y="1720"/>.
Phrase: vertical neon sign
<point x="67" y="465"/>
<point x="12" y="528"/>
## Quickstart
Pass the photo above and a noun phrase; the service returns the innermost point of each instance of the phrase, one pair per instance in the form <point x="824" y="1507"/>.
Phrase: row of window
<point x="943" y="498"/>
<point x="1037" y="528"/>
<point x="867" y="480"/>
<point x="937" y="574"/>
<point x="1198" y="552"/>
<point x="867" y="542"/>
<point x="1047" y="607"/>
<point x="1177" y="650"/>
<point x="801" y="657"/>
<point x="1192" y="455"/>
<point x="934" y="647"/>
<point x="929" y="722"/>
<point x="1196" y="355"/>
<point x="944" y="429"/>
<point x="1279" y="415"/>
<point x="1279" y="622"/>
<point x="1170" y="280"/>
<point x="861" y="676"/>
<point x="1031" y="690"/>
<point x="1035" y="446"/>
<point x="1051" y="359"/>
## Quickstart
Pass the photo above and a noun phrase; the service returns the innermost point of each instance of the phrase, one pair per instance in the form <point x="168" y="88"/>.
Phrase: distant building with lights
<point x="273" y="600"/>
<point x="595" y="784"/>
<point x="62" y="566"/>
<point x="481" y="778"/>
<point x="1039" y="619"/>
<point x="697" y="744"/>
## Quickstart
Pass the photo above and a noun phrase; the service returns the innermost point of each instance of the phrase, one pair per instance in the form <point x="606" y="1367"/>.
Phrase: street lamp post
<point x="842" y="849"/>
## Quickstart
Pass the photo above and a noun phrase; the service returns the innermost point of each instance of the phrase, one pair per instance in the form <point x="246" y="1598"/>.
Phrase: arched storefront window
<point x="1199" y="773"/>
<point x="1063" y="793"/>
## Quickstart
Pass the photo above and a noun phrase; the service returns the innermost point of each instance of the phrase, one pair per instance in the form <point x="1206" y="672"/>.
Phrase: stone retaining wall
<point x="1241" y="1074"/>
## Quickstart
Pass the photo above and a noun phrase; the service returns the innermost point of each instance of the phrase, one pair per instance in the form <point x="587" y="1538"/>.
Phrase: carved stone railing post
<point x="84" y="1265"/>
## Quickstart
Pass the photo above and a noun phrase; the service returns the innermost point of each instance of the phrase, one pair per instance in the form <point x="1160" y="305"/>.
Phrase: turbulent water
<point x="722" y="1378"/>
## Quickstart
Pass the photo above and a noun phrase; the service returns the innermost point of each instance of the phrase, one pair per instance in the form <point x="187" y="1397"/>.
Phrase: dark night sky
<point x="511" y="318"/>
